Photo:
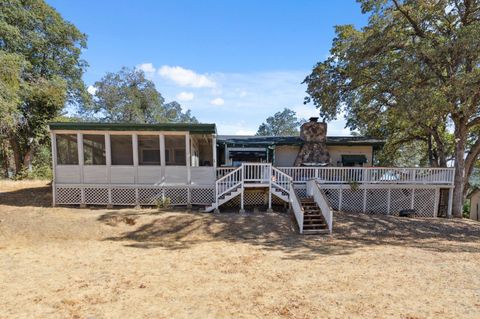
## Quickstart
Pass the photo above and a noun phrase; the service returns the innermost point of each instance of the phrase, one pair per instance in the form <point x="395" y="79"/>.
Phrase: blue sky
<point x="232" y="63"/>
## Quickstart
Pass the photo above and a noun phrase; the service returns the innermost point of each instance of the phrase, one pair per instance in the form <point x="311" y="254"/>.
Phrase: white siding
<point x="65" y="174"/>
<point x="149" y="174"/>
<point x="95" y="174"/>
<point x="203" y="175"/>
<point x="122" y="175"/>
<point x="336" y="152"/>
<point x="175" y="174"/>
<point x="285" y="155"/>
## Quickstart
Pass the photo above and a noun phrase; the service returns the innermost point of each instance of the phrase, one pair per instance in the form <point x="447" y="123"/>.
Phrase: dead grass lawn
<point x="124" y="263"/>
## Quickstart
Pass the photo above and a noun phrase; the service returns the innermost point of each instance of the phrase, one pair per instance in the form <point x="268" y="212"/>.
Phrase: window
<point x="175" y="150"/>
<point x="148" y="150"/>
<point x="121" y="149"/>
<point x="67" y="149"/>
<point x="94" y="149"/>
<point x="353" y="160"/>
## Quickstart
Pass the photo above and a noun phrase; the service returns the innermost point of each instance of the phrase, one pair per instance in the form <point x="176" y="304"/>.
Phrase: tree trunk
<point x="21" y="156"/>
<point x="458" y="194"/>
<point x="17" y="157"/>
<point x="5" y="159"/>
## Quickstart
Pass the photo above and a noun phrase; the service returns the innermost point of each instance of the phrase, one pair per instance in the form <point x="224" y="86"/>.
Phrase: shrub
<point x="163" y="203"/>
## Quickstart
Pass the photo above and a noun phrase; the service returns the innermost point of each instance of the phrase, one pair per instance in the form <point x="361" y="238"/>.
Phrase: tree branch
<point x="471" y="158"/>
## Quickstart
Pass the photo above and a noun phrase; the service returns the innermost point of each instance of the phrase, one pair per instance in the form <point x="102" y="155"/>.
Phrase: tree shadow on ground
<point x="33" y="196"/>
<point x="277" y="231"/>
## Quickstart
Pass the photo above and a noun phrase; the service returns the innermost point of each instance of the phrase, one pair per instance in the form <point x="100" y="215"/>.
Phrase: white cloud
<point x="91" y="89"/>
<point x="217" y="101"/>
<point x="239" y="102"/>
<point x="185" y="96"/>
<point x="148" y="68"/>
<point x="185" y="77"/>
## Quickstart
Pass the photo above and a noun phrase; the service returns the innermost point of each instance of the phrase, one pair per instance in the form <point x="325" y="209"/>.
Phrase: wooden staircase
<point x="313" y="220"/>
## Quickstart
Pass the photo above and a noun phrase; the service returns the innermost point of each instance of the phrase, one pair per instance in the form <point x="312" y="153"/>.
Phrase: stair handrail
<point x="296" y="207"/>
<point x="281" y="179"/>
<point x="230" y="180"/>
<point x="327" y="211"/>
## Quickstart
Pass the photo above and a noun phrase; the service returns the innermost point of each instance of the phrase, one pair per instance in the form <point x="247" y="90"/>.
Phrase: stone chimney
<point x="314" y="149"/>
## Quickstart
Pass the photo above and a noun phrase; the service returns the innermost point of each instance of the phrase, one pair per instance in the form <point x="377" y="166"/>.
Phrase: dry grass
<point x="99" y="263"/>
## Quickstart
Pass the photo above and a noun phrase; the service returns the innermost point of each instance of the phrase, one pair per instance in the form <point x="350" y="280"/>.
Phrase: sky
<point x="233" y="63"/>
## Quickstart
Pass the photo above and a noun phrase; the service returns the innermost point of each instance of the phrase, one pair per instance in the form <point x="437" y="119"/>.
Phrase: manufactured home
<point x="190" y="164"/>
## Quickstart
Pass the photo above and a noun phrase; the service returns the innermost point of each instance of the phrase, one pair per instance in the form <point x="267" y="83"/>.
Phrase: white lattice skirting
<point x="130" y="195"/>
<point x="386" y="200"/>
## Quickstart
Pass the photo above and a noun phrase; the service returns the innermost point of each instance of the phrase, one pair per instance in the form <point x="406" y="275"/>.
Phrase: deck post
<point x="135" y="165"/>
<point x="188" y="157"/>
<point x="365" y="200"/>
<point x="108" y="163"/>
<point x="450" y="202"/>
<point x="412" y="203"/>
<point x="389" y="200"/>
<point x="80" y="165"/>
<point x="53" y="139"/>
<point x="340" y="198"/>
<point x="437" y="198"/>
<point x="162" y="157"/>
<point x="242" y="209"/>
<point x="188" y="146"/>
<point x="214" y="146"/>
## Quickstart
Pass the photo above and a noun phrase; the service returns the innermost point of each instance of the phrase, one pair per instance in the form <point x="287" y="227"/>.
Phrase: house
<point x="474" y="204"/>
<point x="138" y="164"/>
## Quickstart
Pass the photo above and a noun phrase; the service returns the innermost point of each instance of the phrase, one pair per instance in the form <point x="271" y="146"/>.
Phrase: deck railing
<point x="256" y="172"/>
<point x="371" y="175"/>
<point x="296" y="207"/>
<point x="316" y="193"/>
<point x="222" y="171"/>
<point x="228" y="182"/>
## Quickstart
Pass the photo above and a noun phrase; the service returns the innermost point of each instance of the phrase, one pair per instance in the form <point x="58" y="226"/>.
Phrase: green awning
<point x="180" y="127"/>
<point x="354" y="159"/>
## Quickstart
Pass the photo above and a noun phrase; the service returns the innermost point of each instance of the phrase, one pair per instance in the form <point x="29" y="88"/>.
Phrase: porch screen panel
<point x="94" y="149"/>
<point x="202" y="150"/>
<point x="175" y="153"/>
<point x="121" y="149"/>
<point x="148" y="150"/>
<point x="67" y="149"/>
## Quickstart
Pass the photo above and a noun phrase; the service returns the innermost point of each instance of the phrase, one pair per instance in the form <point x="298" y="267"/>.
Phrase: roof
<point x="96" y="126"/>
<point x="246" y="140"/>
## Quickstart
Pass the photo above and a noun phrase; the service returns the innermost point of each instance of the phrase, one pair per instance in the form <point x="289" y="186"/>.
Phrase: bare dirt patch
<point x="104" y="263"/>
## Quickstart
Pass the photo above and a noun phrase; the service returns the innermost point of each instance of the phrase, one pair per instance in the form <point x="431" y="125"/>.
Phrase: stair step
<point x="315" y="228"/>
<point x="315" y="231"/>
<point x="314" y="222"/>
<point x="313" y="218"/>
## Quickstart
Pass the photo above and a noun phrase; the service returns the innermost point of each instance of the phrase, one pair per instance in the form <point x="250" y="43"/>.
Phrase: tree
<point x="413" y="69"/>
<point x="43" y="51"/>
<point x="128" y="96"/>
<point x="282" y="123"/>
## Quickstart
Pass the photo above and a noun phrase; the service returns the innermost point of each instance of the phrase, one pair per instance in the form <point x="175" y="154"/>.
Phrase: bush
<point x="163" y="203"/>
<point x="466" y="209"/>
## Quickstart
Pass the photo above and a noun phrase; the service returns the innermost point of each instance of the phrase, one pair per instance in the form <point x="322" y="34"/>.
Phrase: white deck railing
<point x="228" y="182"/>
<point x="327" y="212"/>
<point x="257" y="172"/>
<point x="372" y="175"/>
<point x="222" y="171"/>
<point x="296" y="207"/>
<point x="281" y="179"/>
